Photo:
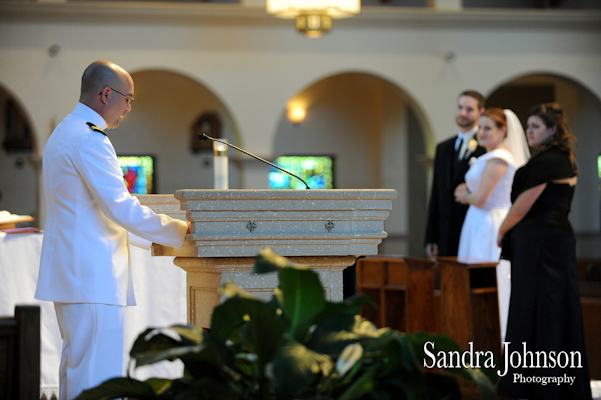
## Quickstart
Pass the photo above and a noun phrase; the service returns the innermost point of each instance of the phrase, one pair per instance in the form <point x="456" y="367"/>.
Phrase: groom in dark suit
<point x="445" y="215"/>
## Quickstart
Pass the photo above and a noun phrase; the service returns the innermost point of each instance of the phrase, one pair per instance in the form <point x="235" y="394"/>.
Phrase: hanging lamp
<point x="313" y="17"/>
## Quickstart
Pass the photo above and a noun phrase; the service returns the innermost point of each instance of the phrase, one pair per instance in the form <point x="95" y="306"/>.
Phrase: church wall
<point x="254" y="69"/>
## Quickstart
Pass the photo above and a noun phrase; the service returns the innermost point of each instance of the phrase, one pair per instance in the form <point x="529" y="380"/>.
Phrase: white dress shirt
<point x="464" y="138"/>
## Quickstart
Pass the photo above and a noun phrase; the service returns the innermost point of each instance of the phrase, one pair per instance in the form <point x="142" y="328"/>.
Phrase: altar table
<point x="160" y="289"/>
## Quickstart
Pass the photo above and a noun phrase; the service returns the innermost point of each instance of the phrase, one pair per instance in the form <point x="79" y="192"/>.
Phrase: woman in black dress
<point x="545" y="320"/>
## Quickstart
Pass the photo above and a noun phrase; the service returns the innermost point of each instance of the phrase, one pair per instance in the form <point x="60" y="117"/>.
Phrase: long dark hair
<point x="553" y="116"/>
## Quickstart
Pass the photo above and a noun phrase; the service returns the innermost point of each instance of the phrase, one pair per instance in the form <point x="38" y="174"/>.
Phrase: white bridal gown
<point x="481" y="226"/>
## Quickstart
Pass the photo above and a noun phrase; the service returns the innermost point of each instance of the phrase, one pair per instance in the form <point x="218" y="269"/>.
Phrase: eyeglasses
<point x="129" y="99"/>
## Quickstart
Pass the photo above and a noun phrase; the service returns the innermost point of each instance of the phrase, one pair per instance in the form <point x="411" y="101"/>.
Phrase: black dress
<point x="544" y="310"/>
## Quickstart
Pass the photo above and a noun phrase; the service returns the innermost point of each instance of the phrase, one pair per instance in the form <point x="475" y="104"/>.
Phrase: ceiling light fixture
<point x="313" y="17"/>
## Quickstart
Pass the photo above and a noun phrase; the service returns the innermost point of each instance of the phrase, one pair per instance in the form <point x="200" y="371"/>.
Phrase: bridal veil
<point x="516" y="139"/>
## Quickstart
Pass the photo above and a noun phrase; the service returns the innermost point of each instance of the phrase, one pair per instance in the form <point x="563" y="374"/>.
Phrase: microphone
<point x="202" y="136"/>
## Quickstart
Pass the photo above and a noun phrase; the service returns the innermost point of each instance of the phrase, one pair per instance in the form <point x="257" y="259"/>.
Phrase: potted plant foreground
<point x="296" y="346"/>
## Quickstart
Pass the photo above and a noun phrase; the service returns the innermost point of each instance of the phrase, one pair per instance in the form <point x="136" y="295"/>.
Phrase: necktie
<point x="459" y="147"/>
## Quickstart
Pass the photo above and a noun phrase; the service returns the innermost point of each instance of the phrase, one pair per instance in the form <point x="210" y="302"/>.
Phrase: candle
<point x="220" y="165"/>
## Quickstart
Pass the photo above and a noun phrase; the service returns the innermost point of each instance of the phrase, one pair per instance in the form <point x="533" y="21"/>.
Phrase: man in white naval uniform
<point x="84" y="267"/>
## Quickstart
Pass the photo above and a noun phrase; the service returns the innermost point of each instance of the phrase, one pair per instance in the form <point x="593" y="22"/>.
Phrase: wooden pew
<point x="20" y="354"/>
<point x="403" y="289"/>
<point x="469" y="305"/>
<point x="470" y="309"/>
<point x="464" y="305"/>
<point x="589" y="275"/>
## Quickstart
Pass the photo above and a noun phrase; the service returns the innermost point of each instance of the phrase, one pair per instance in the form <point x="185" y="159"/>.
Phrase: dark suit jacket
<point x="445" y="215"/>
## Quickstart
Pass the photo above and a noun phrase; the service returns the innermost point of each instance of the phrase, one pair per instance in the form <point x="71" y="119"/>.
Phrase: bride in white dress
<point x="487" y="190"/>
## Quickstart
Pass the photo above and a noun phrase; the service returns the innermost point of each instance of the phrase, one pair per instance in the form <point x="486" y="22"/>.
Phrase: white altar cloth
<point x="160" y="288"/>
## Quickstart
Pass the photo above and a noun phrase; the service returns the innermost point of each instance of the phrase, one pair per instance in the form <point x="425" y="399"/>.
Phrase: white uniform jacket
<point x="85" y="253"/>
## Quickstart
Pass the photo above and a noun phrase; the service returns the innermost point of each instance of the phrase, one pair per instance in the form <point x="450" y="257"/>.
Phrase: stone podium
<point x="325" y="229"/>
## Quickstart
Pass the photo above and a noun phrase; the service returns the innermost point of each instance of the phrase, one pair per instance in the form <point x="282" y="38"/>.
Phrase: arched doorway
<point x="372" y="129"/>
<point x="169" y="111"/>
<point x="583" y="111"/>
<point x="19" y="162"/>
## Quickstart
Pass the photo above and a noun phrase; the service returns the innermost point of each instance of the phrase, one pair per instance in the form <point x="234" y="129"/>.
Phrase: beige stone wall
<point x="251" y="65"/>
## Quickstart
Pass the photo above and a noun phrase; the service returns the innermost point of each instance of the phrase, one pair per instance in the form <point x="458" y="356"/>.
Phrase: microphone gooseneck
<point x="202" y="136"/>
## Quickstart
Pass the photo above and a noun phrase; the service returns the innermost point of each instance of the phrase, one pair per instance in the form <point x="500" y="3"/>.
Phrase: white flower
<point x="348" y="358"/>
<point x="170" y="333"/>
<point x="472" y="145"/>
<point x="269" y="371"/>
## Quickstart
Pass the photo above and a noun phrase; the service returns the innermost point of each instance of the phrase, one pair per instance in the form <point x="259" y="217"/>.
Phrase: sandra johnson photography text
<point x="513" y="356"/>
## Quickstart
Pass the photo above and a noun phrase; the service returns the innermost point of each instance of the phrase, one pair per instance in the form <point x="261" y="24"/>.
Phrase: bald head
<point x="107" y="89"/>
<point x="97" y="76"/>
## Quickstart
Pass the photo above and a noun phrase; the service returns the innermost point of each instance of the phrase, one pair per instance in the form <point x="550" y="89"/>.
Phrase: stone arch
<point x="378" y="136"/>
<point x="583" y="110"/>
<point x="167" y="108"/>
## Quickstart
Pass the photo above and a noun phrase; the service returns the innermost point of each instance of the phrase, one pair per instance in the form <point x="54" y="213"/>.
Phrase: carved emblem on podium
<point x="330" y="225"/>
<point x="251" y="226"/>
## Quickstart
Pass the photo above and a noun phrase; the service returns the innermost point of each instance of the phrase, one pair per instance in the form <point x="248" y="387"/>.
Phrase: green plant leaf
<point x="350" y="306"/>
<point x="444" y="343"/>
<point x="362" y="385"/>
<point x="326" y="338"/>
<point x="443" y="387"/>
<point x="261" y="327"/>
<point x="212" y="360"/>
<point x="409" y="359"/>
<point x="228" y="316"/>
<point x="152" y="339"/>
<point x="482" y="382"/>
<point x="295" y="367"/>
<point x="209" y="388"/>
<point x="189" y="334"/>
<point x="151" y="357"/>
<point x="401" y="356"/>
<point x="121" y="387"/>
<point x="176" y="335"/>
<point x="231" y="290"/>
<point x="334" y="334"/>
<point x="303" y="299"/>
<point x="286" y="347"/>
<point x="269" y="261"/>
<point x="158" y="344"/>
